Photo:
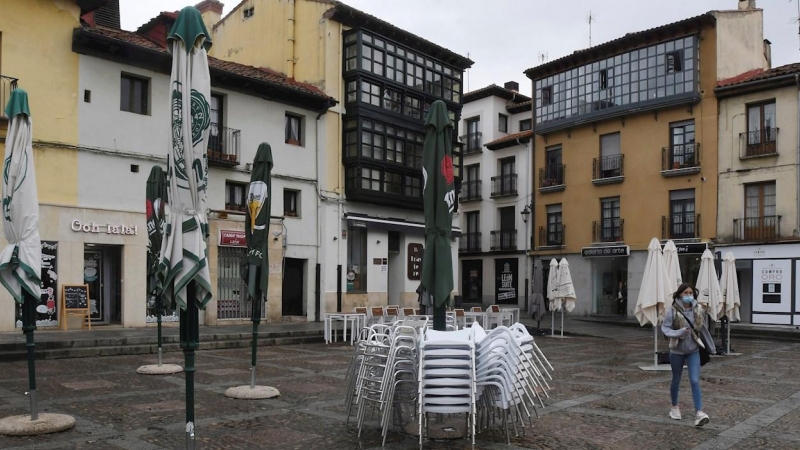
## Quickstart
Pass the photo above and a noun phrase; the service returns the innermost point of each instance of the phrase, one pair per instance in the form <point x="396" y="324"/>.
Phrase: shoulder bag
<point x="705" y="355"/>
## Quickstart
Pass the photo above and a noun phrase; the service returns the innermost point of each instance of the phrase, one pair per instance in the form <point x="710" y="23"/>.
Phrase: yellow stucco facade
<point x="35" y="40"/>
<point x="644" y="193"/>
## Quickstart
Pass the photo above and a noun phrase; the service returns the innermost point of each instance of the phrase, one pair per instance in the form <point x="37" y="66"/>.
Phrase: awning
<point x="378" y="223"/>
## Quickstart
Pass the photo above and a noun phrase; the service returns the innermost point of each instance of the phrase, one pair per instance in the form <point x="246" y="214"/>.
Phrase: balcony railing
<point x="680" y="159"/>
<point x="470" y="191"/>
<point x="224" y="146"/>
<point x="756" y="229"/>
<point x="757" y="143"/>
<point x="686" y="227"/>
<point x="504" y="185"/>
<point x="608" y="169"/>
<point x="472" y="143"/>
<point x="552" y="235"/>
<point x="552" y="177"/>
<point x="470" y="242"/>
<point x="608" y="230"/>
<point x="504" y="240"/>
<point x="7" y="85"/>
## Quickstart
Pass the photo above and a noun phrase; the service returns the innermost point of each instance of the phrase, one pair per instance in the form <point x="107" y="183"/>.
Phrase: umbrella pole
<point x="562" y="321"/>
<point x="254" y="276"/>
<point x="655" y="346"/>
<point x="159" y="313"/>
<point x="728" y="352"/>
<point x="28" y="325"/>
<point x="552" y="323"/>
<point x="190" y="337"/>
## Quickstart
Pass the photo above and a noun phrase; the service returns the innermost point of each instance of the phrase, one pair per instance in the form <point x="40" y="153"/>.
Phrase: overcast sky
<point x="505" y="37"/>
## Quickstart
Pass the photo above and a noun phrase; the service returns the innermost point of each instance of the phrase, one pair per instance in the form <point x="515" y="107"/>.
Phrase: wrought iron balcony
<point x="7" y="85"/>
<point x="552" y="178"/>
<point x="470" y="191"/>
<point x="224" y="146"/>
<point x="757" y="143"/>
<point x="470" y="242"/>
<point x="473" y="143"/>
<point x="608" y="169"/>
<point x="680" y="159"/>
<point x="680" y="226"/>
<point x="757" y="229"/>
<point x="552" y="235"/>
<point x="608" y="230"/>
<point x="504" y="185"/>
<point x="504" y="240"/>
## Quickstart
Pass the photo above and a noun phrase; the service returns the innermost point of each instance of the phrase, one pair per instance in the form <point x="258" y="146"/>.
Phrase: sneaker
<point x="675" y="413"/>
<point x="701" y="419"/>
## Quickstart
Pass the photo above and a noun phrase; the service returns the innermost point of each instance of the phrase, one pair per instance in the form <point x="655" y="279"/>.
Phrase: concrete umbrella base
<point x="259" y="393"/>
<point x="24" y="426"/>
<point x="155" y="369"/>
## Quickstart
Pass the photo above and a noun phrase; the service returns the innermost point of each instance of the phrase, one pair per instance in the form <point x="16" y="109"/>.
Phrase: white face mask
<point x="687" y="299"/>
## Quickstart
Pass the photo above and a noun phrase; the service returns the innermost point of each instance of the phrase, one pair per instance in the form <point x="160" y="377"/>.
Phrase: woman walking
<point x="683" y="325"/>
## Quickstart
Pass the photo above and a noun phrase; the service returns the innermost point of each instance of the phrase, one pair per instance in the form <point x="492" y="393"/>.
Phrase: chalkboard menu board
<point x="76" y="296"/>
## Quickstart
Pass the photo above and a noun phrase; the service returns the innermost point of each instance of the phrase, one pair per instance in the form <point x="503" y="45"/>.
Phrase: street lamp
<point x="526" y="213"/>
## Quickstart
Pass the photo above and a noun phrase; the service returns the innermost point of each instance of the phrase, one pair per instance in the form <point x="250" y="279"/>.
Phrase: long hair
<point x="677" y="295"/>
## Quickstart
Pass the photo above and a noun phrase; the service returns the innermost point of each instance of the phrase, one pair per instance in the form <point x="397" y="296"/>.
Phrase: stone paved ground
<point x="600" y="399"/>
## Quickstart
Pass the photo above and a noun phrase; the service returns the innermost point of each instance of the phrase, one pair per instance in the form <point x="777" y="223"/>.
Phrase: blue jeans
<point x="693" y="363"/>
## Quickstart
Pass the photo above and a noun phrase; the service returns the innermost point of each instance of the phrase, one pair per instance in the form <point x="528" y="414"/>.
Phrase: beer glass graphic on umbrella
<point x="256" y="197"/>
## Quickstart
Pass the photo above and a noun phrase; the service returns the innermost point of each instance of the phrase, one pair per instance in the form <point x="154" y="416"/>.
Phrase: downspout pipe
<point x="317" y="300"/>
<point x="797" y="169"/>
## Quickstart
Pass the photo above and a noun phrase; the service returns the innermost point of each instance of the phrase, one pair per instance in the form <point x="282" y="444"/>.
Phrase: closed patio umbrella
<point x="21" y="259"/>
<point x="673" y="264"/>
<point x="439" y="198"/>
<point x="536" y="307"/>
<point x="729" y="283"/>
<point x="552" y="294"/>
<point x="655" y="294"/>
<point x="183" y="269"/>
<point x="709" y="292"/>
<point x="566" y="290"/>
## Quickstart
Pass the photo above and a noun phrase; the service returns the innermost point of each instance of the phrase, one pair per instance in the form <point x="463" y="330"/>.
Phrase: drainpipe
<point x="797" y="169"/>
<point x="290" y="61"/>
<point x="317" y="301"/>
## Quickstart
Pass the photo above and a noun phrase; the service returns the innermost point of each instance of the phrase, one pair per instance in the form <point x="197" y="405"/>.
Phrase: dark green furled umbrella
<point x="439" y="198"/>
<point x="259" y="205"/>
<point x="21" y="260"/>
<point x="156" y="198"/>
<point x="183" y="269"/>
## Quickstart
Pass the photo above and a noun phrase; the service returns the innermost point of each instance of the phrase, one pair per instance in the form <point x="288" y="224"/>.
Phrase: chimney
<point x="768" y="53"/>
<point x="108" y="15"/>
<point x="746" y="5"/>
<point x="211" y="10"/>
<point x="512" y="86"/>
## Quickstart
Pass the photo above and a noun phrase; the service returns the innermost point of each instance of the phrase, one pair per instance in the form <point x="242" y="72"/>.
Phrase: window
<point x="294" y="129"/>
<point x="291" y="203"/>
<point x="682" y="222"/>
<point x="553" y="169"/>
<point x="473" y="232"/>
<point x="547" y="95"/>
<point x="350" y="53"/>
<point x="372" y="60"/>
<point x="356" y="259"/>
<point x="235" y="198"/>
<point x="411" y="107"/>
<point x="555" y="231"/>
<point x="471" y="188"/>
<point x="392" y="100"/>
<point x="217" y="116"/>
<point x="525" y="125"/>
<point x="248" y="12"/>
<point x="134" y="94"/>
<point x="760" y="220"/>
<point x="603" y="79"/>
<point x="370" y="93"/>
<point x="508" y="229"/>
<point x="610" y="158"/>
<point x="610" y="224"/>
<point x="674" y="62"/>
<point x="682" y="146"/>
<point x="473" y="135"/>
<point x="762" y="131"/>
<point x="502" y="121"/>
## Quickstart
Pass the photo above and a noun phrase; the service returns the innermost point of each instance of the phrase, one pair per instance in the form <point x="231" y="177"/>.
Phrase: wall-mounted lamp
<point x="378" y="242"/>
<point x="335" y="238"/>
<point x="526" y="213"/>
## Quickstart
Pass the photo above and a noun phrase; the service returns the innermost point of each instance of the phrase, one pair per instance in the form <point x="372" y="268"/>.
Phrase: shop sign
<point x="414" y="263"/>
<point x="108" y="228"/>
<point x="506" y="280"/>
<point x="606" y="252"/>
<point x="232" y="238"/>
<point x="690" y="249"/>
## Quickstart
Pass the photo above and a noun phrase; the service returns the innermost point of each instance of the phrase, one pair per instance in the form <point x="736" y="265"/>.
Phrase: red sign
<point x="447" y="169"/>
<point x="232" y="238"/>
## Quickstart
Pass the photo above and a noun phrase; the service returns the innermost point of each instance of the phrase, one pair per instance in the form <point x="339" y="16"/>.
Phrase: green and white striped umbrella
<point x="184" y="252"/>
<point x="21" y="260"/>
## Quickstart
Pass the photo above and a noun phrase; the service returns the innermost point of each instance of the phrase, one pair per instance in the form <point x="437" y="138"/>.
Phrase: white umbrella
<point x="654" y="294"/>
<point x="710" y="293"/>
<point x="552" y="286"/>
<point x="183" y="269"/>
<point x="566" y="290"/>
<point x="730" y="292"/>
<point x="672" y="262"/>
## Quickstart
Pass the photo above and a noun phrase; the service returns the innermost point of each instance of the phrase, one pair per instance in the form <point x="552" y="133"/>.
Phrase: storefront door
<point x="472" y="281"/>
<point x="102" y="272"/>
<point x="611" y="286"/>
<point x="293" y="287"/>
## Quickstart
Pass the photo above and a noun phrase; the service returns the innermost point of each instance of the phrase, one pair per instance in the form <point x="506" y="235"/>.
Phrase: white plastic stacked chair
<point x="400" y="382"/>
<point x="447" y="377"/>
<point x="369" y="342"/>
